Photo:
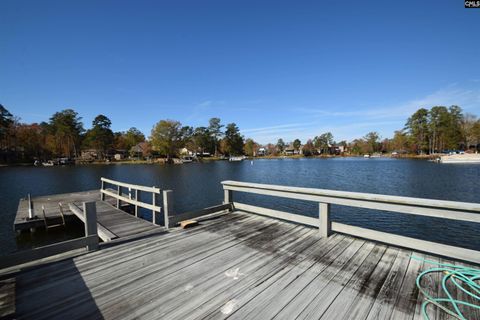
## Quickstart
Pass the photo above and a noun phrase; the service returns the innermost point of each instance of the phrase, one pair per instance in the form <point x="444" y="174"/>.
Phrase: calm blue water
<point x="197" y="185"/>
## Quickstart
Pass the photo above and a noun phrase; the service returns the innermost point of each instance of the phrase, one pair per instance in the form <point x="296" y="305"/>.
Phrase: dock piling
<point x="119" y="193"/>
<point x="137" y="199"/>
<point x="90" y="211"/>
<point x="154" y="201"/>
<point x="325" y="226"/>
<point x="167" y="206"/>
<point x="228" y="196"/>
<point x="31" y="213"/>
<point x="102" y="195"/>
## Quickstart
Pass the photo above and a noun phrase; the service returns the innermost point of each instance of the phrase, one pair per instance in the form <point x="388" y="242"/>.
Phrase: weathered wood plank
<point x="276" y="214"/>
<point x="266" y="299"/>
<point x="367" y="256"/>
<point x="103" y="233"/>
<point x="313" y="283"/>
<point x="406" y="302"/>
<point x="7" y="298"/>
<point x="214" y="284"/>
<point x="284" y="191"/>
<point x="175" y="219"/>
<point x="431" y="283"/>
<point x="370" y="274"/>
<point x="45" y="251"/>
<point x="284" y="271"/>
<point x="385" y="299"/>
<point x="468" y="312"/>
<point x="136" y="279"/>
<point x="131" y="186"/>
<point x="134" y="202"/>
<point x="113" y="256"/>
<point x="363" y="302"/>
<point x="411" y="243"/>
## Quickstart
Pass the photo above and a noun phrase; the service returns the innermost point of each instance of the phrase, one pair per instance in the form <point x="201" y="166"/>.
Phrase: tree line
<point x="427" y="131"/>
<point x="439" y="129"/>
<point x="64" y="135"/>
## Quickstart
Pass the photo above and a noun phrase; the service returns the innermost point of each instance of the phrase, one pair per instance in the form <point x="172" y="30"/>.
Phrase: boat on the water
<point x="49" y="163"/>
<point x="460" y="158"/>
<point x="187" y="159"/>
<point x="366" y="156"/>
<point x="238" y="158"/>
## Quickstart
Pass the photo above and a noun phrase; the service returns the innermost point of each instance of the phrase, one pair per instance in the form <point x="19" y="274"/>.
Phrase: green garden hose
<point x="463" y="278"/>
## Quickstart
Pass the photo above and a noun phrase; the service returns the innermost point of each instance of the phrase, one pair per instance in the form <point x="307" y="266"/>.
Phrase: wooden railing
<point x="89" y="242"/>
<point x="461" y="211"/>
<point x="133" y="197"/>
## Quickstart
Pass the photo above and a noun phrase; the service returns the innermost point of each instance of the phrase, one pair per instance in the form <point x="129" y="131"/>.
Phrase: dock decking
<point x="113" y="223"/>
<point x="52" y="210"/>
<point x="237" y="266"/>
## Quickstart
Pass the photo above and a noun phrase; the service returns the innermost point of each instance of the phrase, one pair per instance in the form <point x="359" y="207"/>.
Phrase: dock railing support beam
<point x="167" y="207"/>
<point x="325" y="224"/>
<point x="90" y="211"/>
<point x="30" y="208"/>
<point x="119" y="193"/>
<point x="102" y="195"/>
<point x="154" y="201"/>
<point x="137" y="198"/>
<point x="228" y="196"/>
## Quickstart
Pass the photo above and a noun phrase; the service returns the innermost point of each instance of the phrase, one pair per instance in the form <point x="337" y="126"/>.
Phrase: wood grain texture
<point x="235" y="266"/>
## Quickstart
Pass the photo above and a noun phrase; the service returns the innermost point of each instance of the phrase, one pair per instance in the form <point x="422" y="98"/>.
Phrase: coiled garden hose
<point x="463" y="278"/>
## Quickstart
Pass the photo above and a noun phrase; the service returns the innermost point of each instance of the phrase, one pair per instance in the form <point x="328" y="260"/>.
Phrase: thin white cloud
<point x="204" y="104"/>
<point x="355" y="124"/>
<point x="451" y="95"/>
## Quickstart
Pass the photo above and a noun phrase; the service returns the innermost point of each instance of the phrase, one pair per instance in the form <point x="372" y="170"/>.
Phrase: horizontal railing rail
<point x="132" y="186"/>
<point x="134" y="196"/>
<point x="89" y="242"/>
<point x="462" y="211"/>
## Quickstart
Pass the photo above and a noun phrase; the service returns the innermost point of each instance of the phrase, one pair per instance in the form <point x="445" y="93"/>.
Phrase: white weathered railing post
<point x="137" y="198"/>
<point x="325" y="226"/>
<point x="119" y="193"/>
<point x="227" y="196"/>
<point x="167" y="207"/>
<point x="154" y="200"/>
<point x="102" y="195"/>
<point x="90" y="211"/>
<point x="30" y="207"/>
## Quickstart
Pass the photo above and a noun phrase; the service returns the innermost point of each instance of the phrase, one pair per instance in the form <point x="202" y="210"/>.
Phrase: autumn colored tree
<point x="250" y="147"/>
<point x="167" y="138"/>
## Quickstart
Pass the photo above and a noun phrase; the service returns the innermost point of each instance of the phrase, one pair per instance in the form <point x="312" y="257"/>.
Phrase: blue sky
<point x="279" y="69"/>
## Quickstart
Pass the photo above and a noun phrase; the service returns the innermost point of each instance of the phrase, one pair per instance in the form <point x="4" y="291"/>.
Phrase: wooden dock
<point x="112" y="221"/>
<point x="237" y="266"/>
<point x="52" y="208"/>
<point x="249" y="263"/>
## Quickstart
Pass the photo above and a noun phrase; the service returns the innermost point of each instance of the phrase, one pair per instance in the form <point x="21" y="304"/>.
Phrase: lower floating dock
<point x="112" y="223"/>
<point x="52" y="209"/>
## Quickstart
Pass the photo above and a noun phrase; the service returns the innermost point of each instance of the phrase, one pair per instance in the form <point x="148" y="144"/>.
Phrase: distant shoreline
<point x="162" y="161"/>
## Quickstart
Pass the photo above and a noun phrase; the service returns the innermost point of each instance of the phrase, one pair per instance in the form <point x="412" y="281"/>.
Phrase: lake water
<point x="197" y="185"/>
